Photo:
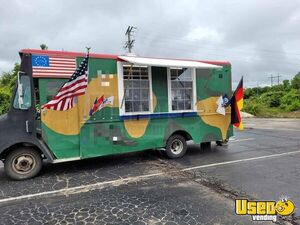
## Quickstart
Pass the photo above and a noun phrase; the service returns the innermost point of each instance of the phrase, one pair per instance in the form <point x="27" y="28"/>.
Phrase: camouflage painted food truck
<point x="128" y="103"/>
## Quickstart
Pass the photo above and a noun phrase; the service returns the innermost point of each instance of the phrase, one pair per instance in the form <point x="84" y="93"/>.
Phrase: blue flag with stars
<point x="40" y="60"/>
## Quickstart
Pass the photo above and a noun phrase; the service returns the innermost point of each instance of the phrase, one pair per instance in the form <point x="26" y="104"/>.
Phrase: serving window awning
<point x="167" y="62"/>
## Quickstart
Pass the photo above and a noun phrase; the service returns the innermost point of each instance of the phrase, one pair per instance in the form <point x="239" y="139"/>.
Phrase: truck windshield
<point x="23" y="94"/>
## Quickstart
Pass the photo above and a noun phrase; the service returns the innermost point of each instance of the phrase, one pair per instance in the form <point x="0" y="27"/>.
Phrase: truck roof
<point x="108" y="56"/>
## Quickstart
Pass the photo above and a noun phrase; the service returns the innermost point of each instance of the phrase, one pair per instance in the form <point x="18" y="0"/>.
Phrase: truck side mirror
<point x="20" y="89"/>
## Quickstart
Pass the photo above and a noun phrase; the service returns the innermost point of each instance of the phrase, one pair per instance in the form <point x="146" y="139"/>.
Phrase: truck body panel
<point x="75" y="133"/>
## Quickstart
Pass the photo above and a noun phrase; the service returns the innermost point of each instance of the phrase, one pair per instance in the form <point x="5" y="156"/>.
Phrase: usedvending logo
<point x="264" y="210"/>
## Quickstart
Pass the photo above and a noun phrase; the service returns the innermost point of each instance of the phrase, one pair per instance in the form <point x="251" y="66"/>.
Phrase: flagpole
<point x="86" y="95"/>
<point x="88" y="55"/>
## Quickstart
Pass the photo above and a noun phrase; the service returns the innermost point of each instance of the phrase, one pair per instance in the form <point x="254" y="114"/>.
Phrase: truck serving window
<point x="136" y="88"/>
<point x="181" y="88"/>
<point x="23" y="94"/>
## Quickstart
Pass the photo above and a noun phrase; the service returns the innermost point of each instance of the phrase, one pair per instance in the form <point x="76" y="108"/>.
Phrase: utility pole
<point x="130" y="41"/>
<point x="271" y="77"/>
<point x="278" y="78"/>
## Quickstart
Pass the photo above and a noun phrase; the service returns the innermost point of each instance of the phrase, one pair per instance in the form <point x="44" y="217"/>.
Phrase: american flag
<point x="75" y="86"/>
<point x="52" y="66"/>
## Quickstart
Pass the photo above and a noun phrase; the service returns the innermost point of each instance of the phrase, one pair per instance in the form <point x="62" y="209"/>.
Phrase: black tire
<point x="225" y="142"/>
<point x="176" y="146"/>
<point x="222" y="143"/>
<point x="23" y="163"/>
<point x="219" y="143"/>
<point x="206" y="146"/>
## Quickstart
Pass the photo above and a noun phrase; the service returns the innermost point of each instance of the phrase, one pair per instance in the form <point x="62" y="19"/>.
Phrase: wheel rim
<point x="24" y="163"/>
<point x="176" y="147"/>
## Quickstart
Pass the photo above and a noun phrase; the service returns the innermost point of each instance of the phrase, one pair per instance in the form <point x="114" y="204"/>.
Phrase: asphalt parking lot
<point x="260" y="163"/>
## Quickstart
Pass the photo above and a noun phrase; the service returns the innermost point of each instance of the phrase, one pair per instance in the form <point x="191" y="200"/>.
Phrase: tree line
<point x="282" y="100"/>
<point x="7" y="84"/>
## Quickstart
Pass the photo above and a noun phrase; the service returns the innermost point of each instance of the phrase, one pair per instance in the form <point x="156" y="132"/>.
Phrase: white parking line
<point x="89" y="187"/>
<point x="82" y="188"/>
<point x="241" y="160"/>
<point x="270" y="128"/>
<point x="279" y="129"/>
<point x="240" y="140"/>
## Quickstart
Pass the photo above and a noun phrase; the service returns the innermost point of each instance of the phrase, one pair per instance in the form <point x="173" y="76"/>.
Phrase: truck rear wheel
<point x="176" y="146"/>
<point x="23" y="163"/>
<point x="206" y="146"/>
<point x="222" y="142"/>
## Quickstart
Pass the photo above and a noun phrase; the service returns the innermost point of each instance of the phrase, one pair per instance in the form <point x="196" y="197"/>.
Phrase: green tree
<point x="296" y="81"/>
<point x="286" y="84"/>
<point x="247" y="93"/>
<point x="8" y="79"/>
<point x="44" y="47"/>
<point x="7" y="83"/>
<point x="291" y="100"/>
<point x="271" y="99"/>
<point x="4" y="101"/>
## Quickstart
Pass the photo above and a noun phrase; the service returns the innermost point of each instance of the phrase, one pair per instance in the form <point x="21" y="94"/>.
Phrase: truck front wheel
<point x="23" y="163"/>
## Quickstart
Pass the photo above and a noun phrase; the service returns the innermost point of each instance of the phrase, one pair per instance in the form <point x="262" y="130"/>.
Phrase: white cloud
<point x="257" y="37"/>
<point x="204" y="34"/>
<point x="5" y="66"/>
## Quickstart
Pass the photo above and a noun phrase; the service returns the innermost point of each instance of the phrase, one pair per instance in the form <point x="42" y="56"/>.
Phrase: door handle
<point x="29" y="127"/>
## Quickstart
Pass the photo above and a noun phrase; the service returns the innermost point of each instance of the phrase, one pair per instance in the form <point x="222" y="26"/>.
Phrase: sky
<point x="259" y="37"/>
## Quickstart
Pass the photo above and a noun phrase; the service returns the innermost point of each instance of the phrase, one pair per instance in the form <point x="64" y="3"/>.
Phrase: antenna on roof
<point x="129" y="43"/>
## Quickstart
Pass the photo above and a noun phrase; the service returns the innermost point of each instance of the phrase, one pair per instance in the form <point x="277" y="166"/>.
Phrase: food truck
<point x="142" y="103"/>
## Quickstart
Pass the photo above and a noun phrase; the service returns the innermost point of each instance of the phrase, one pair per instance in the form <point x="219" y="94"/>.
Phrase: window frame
<point x="193" y="74"/>
<point x="122" y="94"/>
<point x="15" y="102"/>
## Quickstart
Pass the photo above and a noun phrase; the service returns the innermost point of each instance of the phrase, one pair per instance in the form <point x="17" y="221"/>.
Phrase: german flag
<point x="237" y="105"/>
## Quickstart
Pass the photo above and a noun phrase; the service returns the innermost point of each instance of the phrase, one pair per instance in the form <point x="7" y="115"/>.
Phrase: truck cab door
<point x="19" y="124"/>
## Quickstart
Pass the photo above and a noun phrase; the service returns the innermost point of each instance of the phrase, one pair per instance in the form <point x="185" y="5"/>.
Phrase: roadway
<point x="261" y="163"/>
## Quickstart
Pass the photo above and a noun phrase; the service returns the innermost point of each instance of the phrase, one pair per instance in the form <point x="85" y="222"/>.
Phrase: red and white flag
<point x="53" y="66"/>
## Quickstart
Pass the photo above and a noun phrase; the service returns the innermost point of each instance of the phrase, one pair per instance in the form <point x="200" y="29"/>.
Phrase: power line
<point x="169" y="37"/>
<point x="233" y="56"/>
<point x="232" y="51"/>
